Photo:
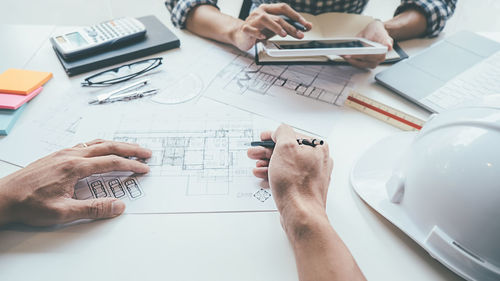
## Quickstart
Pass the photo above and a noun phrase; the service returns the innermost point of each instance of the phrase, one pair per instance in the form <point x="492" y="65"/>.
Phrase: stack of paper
<point x="17" y="87"/>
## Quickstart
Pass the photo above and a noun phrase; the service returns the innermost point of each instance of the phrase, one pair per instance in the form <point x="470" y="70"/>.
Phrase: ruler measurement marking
<point x="355" y="100"/>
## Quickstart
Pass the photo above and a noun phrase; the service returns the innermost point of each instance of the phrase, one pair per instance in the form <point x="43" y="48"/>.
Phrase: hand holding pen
<point x="298" y="173"/>
<point x="272" y="144"/>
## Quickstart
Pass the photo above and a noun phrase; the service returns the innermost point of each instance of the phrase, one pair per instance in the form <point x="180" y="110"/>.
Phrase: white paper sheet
<point x="199" y="161"/>
<point x="302" y="96"/>
<point x="308" y="97"/>
<point x="51" y="120"/>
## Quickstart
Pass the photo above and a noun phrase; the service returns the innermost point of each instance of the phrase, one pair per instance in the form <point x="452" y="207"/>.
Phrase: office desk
<point x="227" y="246"/>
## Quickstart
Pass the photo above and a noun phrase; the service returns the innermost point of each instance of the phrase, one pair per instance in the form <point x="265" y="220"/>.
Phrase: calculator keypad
<point x="112" y="29"/>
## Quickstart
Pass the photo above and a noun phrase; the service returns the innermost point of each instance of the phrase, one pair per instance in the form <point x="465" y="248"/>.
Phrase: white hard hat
<point x="441" y="186"/>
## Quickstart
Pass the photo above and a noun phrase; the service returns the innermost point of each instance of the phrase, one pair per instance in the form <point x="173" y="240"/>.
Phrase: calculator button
<point x="92" y="33"/>
<point x="107" y="33"/>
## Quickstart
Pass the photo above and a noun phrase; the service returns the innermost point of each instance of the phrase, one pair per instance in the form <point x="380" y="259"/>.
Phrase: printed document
<point x="199" y="161"/>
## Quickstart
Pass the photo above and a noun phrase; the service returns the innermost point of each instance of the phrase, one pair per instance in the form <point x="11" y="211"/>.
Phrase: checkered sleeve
<point x="179" y="9"/>
<point x="436" y="12"/>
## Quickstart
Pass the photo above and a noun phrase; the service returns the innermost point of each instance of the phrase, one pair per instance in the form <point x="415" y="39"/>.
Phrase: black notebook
<point x="158" y="39"/>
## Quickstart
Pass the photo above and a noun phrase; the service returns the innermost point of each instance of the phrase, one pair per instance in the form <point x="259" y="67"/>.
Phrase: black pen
<point x="295" y="24"/>
<point x="271" y="144"/>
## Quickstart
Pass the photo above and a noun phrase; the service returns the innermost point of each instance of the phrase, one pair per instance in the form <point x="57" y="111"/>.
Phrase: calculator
<point x="92" y="39"/>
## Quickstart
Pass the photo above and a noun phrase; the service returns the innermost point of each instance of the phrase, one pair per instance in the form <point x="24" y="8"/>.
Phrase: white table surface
<point x="229" y="246"/>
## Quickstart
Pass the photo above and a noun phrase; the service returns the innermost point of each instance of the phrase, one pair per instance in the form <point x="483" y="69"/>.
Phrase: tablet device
<point x="324" y="47"/>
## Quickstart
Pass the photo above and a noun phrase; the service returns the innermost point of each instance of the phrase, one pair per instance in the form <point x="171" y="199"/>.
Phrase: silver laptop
<point x="458" y="69"/>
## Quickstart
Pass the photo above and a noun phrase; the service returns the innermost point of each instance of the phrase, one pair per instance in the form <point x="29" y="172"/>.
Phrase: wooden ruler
<point x="384" y="113"/>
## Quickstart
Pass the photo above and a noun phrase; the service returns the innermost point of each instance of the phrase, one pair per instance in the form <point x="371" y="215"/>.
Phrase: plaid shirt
<point x="436" y="11"/>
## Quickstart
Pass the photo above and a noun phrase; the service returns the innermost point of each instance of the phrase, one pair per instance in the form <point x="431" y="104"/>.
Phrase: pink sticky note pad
<point x="12" y="101"/>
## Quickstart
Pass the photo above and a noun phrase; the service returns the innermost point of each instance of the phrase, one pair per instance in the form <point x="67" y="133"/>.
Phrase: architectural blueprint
<point x="316" y="82"/>
<point x="305" y="97"/>
<point x="301" y="95"/>
<point x="50" y="121"/>
<point x="199" y="162"/>
<point x="46" y="126"/>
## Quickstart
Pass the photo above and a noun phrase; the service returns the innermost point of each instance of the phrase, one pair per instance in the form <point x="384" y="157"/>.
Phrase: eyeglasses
<point x="122" y="73"/>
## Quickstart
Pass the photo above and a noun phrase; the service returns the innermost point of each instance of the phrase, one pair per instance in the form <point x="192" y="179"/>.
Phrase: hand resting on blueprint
<point x="299" y="176"/>
<point x="41" y="193"/>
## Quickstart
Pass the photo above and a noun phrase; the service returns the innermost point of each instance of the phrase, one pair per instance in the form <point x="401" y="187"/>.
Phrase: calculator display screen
<point x="60" y="39"/>
<point x="77" y="39"/>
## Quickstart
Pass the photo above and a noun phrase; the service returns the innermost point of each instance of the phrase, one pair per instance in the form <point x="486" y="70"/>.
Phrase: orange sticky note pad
<point x="22" y="82"/>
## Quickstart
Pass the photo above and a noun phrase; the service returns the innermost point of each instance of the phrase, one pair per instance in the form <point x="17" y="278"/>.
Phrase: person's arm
<point x="207" y="21"/>
<point x="319" y="252"/>
<point x="413" y="18"/>
<point x="203" y="18"/>
<point x="417" y="18"/>
<point x="262" y="23"/>
<point x="409" y="24"/>
<point x="299" y="177"/>
<point x="42" y="193"/>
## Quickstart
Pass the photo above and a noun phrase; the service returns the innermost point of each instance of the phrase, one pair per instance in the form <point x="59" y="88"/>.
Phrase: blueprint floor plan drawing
<point x="300" y="95"/>
<point x="199" y="164"/>
<point x="210" y="160"/>
<point x="317" y="82"/>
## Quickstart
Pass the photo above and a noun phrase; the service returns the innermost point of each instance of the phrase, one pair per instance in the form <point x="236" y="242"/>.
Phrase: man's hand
<point x="41" y="194"/>
<point x="299" y="175"/>
<point x="264" y="22"/>
<point x="376" y="32"/>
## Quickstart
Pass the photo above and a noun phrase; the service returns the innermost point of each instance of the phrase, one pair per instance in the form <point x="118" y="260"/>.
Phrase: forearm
<point x="209" y="22"/>
<point x="319" y="252"/>
<point x="409" y="24"/>
<point x="5" y="216"/>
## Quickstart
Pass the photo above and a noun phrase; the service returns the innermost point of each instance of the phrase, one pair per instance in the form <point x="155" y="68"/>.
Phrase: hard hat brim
<point x="373" y="170"/>
<point x="369" y="176"/>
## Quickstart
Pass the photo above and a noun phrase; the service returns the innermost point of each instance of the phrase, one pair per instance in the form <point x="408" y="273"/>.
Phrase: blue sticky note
<point x="8" y="118"/>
